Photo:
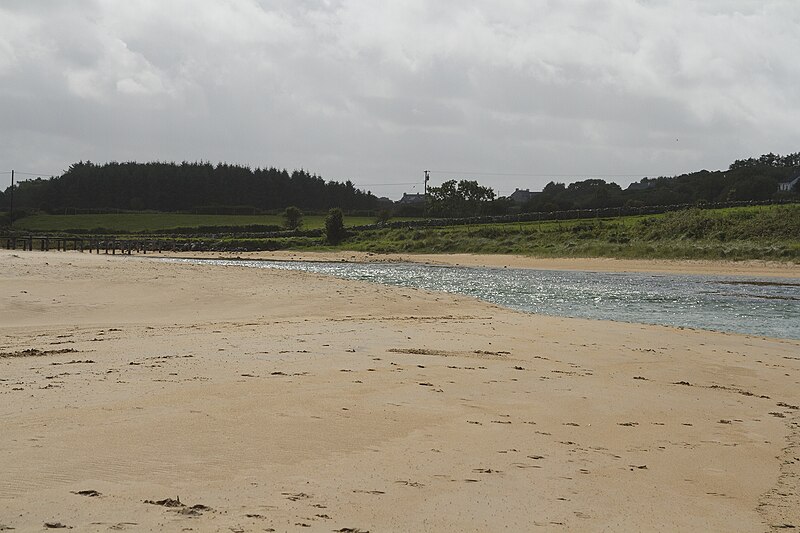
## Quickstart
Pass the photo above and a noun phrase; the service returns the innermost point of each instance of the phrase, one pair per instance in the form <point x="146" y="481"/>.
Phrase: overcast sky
<point x="512" y="93"/>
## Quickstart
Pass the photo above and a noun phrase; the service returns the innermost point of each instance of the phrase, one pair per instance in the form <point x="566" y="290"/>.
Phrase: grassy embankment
<point x="765" y="232"/>
<point x="742" y="233"/>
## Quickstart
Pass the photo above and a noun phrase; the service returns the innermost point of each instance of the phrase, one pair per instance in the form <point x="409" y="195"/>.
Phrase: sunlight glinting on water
<point x="767" y="307"/>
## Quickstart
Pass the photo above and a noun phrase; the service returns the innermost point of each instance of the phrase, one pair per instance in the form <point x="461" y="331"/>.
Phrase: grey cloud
<point x="375" y="92"/>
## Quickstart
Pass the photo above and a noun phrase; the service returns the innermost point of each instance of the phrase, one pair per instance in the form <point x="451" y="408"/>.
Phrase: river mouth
<point x="733" y="304"/>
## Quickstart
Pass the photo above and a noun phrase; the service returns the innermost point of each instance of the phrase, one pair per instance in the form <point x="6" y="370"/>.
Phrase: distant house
<point x="521" y="196"/>
<point x="411" y="199"/>
<point x="642" y="185"/>
<point x="789" y="185"/>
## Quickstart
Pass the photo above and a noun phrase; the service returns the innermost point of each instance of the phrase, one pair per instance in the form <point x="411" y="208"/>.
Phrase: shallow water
<point x="737" y="304"/>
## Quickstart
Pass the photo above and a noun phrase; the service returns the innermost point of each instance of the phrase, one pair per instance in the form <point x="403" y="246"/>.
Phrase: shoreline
<point x="655" y="266"/>
<point x="727" y="324"/>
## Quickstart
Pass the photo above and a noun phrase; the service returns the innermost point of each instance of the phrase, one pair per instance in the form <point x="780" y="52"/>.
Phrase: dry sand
<point x="291" y="402"/>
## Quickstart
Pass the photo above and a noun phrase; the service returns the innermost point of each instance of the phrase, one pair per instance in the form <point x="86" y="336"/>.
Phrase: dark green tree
<point x="293" y="217"/>
<point x="196" y="187"/>
<point x="459" y="199"/>
<point x="383" y="216"/>
<point x="334" y="226"/>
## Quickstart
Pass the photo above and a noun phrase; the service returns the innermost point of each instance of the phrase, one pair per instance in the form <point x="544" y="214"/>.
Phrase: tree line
<point x="204" y="187"/>
<point x="186" y="186"/>
<point x="745" y="180"/>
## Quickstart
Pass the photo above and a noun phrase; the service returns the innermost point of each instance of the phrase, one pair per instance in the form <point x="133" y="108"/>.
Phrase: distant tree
<point x="293" y="217"/>
<point x="498" y="206"/>
<point x="383" y="216"/>
<point x="185" y="186"/>
<point x="334" y="226"/>
<point x="753" y="188"/>
<point x="594" y="193"/>
<point x="459" y="199"/>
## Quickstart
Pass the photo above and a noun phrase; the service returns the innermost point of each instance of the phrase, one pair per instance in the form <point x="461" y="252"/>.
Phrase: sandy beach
<point x="151" y="396"/>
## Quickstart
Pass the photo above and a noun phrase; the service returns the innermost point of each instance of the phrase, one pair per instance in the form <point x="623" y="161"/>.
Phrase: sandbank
<point x="142" y="395"/>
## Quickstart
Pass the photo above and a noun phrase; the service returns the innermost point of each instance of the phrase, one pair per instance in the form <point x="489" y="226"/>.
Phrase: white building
<point x="789" y="185"/>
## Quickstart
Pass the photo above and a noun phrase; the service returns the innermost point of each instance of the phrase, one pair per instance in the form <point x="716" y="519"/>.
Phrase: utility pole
<point x="425" y="190"/>
<point x="11" y="202"/>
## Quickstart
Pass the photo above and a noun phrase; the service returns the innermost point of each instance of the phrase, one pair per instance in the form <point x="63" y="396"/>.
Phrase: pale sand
<point x="281" y="399"/>
<point x="596" y="264"/>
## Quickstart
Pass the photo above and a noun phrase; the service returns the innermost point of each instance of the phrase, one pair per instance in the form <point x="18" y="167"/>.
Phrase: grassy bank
<point x="744" y="233"/>
<point x="764" y="232"/>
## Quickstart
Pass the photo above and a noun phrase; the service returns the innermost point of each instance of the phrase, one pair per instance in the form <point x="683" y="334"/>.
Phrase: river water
<point x="758" y="306"/>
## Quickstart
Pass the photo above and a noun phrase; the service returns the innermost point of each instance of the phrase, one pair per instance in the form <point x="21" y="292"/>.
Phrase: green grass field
<point x="148" y="222"/>
<point x="763" y="232"/>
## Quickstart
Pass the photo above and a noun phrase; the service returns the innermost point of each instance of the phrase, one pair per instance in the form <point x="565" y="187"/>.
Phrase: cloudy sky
<point x="513" y="93"/>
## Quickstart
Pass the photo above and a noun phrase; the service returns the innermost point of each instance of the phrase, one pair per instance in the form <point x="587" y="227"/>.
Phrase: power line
<point x="543" y="175"/>
<point x="385" y="184"/>
<point x="27" y="173"/>
<point x="34" y="174"/>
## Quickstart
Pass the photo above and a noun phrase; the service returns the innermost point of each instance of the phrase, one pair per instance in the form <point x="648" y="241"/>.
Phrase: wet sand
<point x="149" y="396"/>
